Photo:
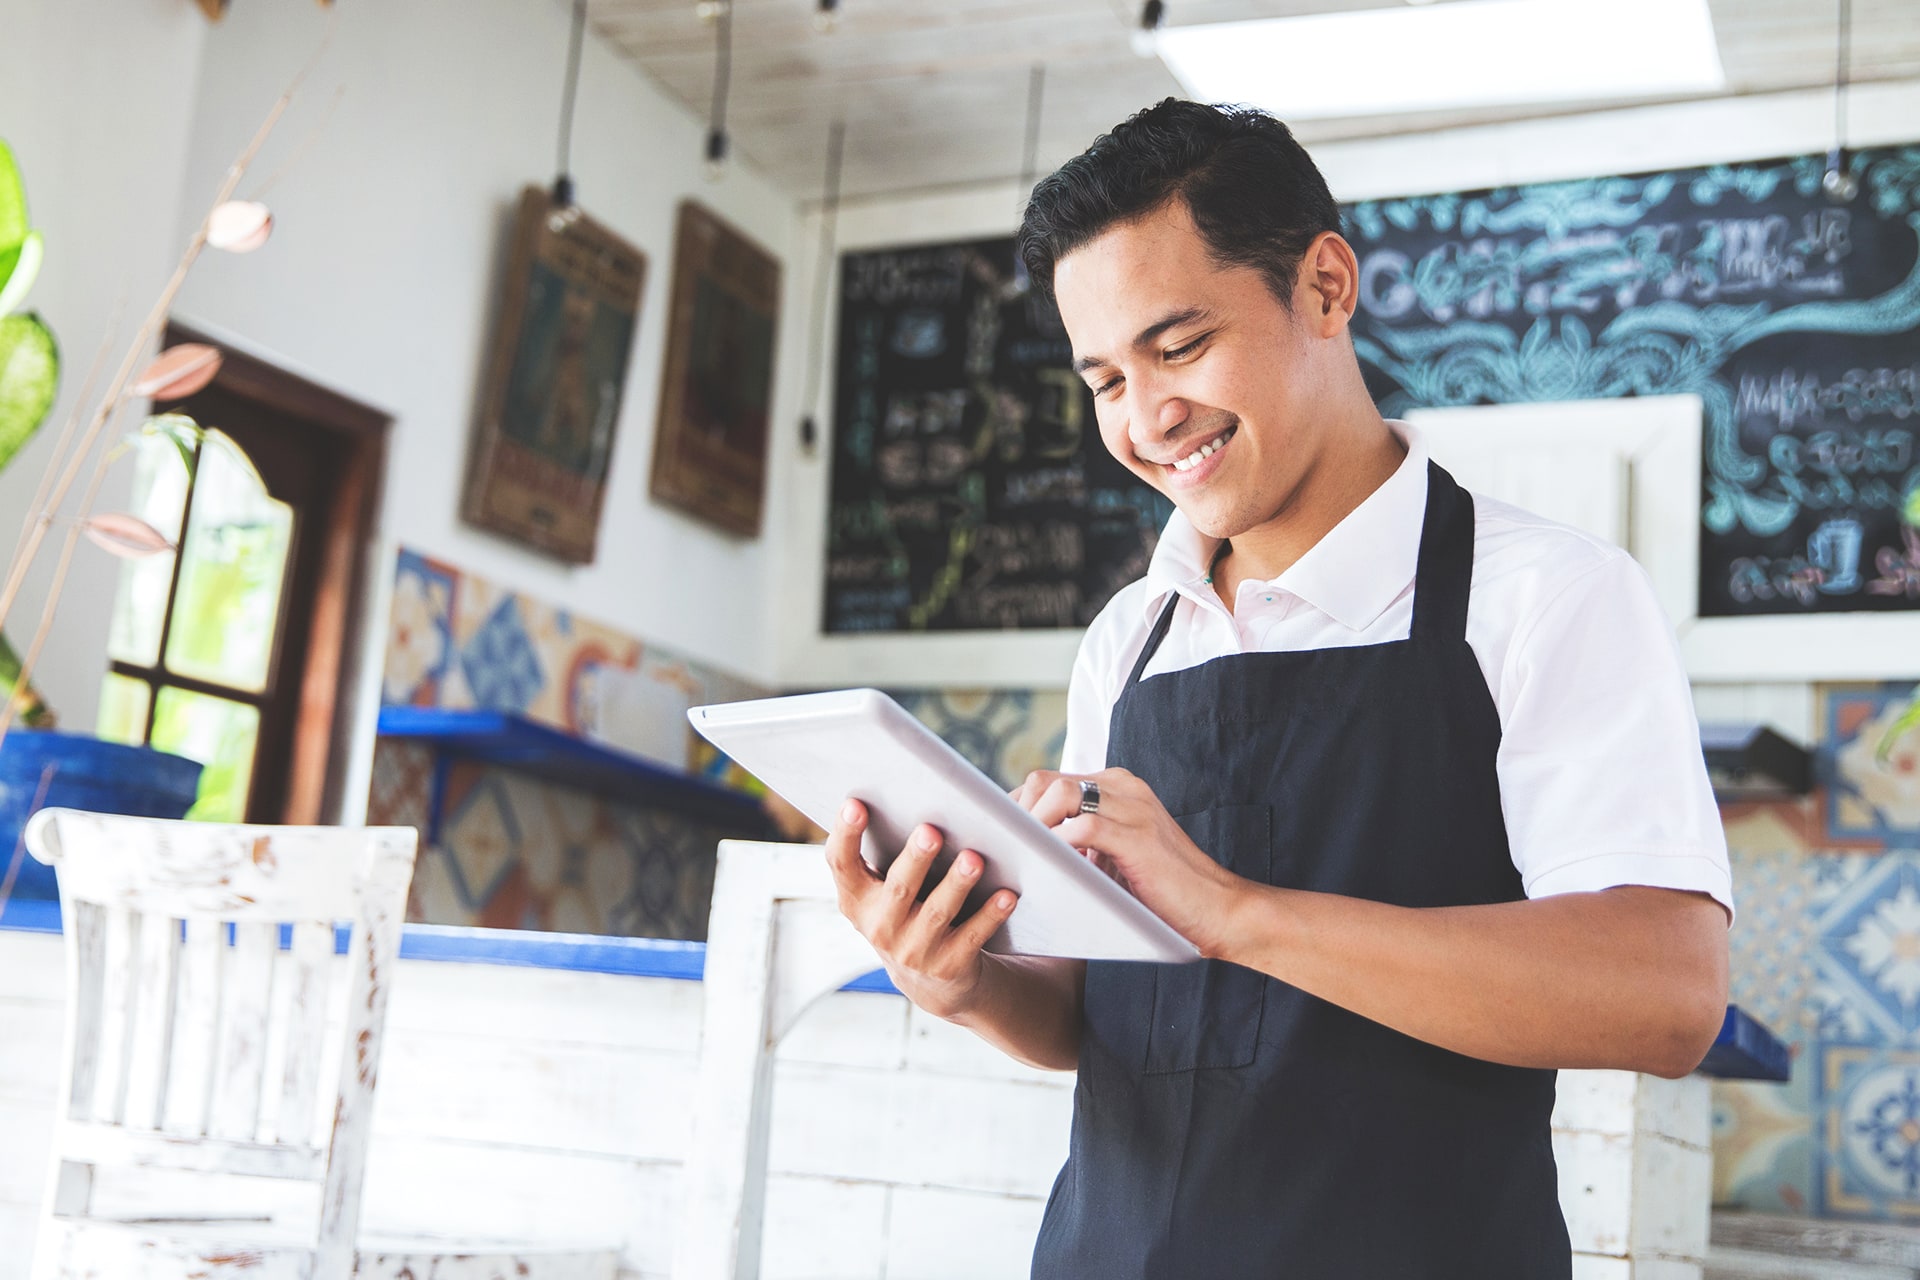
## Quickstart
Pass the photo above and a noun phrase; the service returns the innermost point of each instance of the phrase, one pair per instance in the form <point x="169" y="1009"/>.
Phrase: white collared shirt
<point x="1602" y="780"/>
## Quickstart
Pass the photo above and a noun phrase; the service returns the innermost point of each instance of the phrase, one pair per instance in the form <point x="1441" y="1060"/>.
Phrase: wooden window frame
<point x="317" y="760"/>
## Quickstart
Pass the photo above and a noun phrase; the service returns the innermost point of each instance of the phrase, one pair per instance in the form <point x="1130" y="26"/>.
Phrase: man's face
<point x="1204" y="383"/>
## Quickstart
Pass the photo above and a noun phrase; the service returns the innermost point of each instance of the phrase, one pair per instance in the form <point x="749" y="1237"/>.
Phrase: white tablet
<point x="816" y="749"/>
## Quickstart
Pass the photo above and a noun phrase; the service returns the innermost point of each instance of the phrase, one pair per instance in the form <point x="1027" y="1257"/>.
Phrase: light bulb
<point x="826" y="16"/>
<point x="708" y="10"/>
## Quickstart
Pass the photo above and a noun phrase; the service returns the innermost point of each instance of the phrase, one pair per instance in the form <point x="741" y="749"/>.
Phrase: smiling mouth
<point x="1200" y="455"/>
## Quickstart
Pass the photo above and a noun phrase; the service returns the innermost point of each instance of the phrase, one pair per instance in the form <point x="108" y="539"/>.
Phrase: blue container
<point x="82" y="773"/>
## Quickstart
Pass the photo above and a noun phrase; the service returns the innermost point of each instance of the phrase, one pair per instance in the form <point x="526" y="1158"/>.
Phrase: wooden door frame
<point x="323" y="724"/>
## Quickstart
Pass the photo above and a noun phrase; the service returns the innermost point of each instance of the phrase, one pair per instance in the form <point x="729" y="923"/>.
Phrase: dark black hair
<point x="1254" y="193"/>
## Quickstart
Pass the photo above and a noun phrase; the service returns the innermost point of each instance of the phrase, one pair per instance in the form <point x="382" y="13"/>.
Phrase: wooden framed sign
<point x="710" y="450"/>
<point x="552" y="395"/>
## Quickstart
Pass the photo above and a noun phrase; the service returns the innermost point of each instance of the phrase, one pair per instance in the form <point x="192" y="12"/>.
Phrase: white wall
<point x="380" y="282"/>
<point x="1627" y="141"/>
<point x="95" y="96"/>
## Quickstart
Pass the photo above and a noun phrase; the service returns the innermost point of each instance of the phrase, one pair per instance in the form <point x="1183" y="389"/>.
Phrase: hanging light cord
<point x="722" y="69"/>
<point x="563" y="181"/>
<point x="823" y="273"/>
<point x="1840" y="72"/>
<point x="1030" y="161"/>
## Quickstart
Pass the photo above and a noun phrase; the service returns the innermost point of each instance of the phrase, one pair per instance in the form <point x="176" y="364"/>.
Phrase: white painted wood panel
<point x="893" y="1135"/>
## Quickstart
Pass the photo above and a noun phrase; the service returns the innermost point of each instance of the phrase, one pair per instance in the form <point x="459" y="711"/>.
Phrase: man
<point x="1418" y="773"/>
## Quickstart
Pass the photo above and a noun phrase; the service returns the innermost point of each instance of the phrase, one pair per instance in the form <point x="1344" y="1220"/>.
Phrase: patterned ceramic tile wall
<point x="511" y="851"/>
<point x="1827" y="953"/>
<point x="1006" y="733"/>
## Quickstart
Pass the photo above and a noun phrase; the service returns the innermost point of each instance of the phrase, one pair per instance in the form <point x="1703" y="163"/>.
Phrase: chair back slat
<point x="240" y="1063"/>
<point x="196" y="1027"/>
<point x="187" y="1021"/>
<point x="109" y="1101"/>
<point x="235" y="873"/>
<point x="150" y="1038"/>
<point x="309" y="980"/>
<point x="86" y="929"/>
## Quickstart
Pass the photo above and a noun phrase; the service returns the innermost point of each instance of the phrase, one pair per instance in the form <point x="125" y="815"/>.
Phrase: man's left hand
<point x="1135" y="837"/>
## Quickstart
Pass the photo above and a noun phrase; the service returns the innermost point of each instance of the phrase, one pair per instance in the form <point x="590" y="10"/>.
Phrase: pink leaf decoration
<point x="178" y="372"/>
<point x="128" y="537"/>
<point x="239" y="226"/>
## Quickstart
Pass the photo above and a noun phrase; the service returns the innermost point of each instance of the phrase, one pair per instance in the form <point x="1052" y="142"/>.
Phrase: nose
<point x="1154" y="414"/>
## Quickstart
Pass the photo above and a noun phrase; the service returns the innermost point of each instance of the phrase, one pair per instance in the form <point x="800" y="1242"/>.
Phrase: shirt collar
<point x="1358" y="568"/>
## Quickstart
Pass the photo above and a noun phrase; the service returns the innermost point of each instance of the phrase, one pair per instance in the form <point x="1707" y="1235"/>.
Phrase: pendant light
<point x="826" y="15"/>
<point x="563" y="177"/>
<point x="1145" y="38"/>
<point x="823" y="273"/>
<point x="722" y="76"/>
<point x="1838" y="182"/>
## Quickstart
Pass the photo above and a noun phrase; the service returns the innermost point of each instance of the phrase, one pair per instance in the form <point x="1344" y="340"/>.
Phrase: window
<point x="192" y="640"/>
<point x="237" y="649"/>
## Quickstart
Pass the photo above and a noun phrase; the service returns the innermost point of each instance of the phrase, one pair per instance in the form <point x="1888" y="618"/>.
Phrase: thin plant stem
<point x="36" y="536"/>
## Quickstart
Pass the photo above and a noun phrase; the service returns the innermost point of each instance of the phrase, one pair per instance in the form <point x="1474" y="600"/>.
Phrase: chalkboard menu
<point x="1796" y="320"/>
<point x="970" y="487"/>
<point x="971" y="491"/>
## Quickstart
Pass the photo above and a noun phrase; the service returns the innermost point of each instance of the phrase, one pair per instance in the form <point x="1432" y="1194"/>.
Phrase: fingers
<point x="984" y="923"/>
<point x="850" y="871"/>
<point x="1030" y="790"/>
<point x="1060" y="800"/>
<point x="909" y="870"/>
<point x="944" y="905"/>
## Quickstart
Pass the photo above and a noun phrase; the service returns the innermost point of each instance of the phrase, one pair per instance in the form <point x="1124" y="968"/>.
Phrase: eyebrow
<point x="1186" y="315"/>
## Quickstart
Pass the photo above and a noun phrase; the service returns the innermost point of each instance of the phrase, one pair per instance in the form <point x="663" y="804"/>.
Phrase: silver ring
<point x="1089" y="796"/>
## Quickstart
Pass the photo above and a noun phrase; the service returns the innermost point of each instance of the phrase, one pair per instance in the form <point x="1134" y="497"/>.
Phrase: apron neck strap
<point x="1445" y="572"/>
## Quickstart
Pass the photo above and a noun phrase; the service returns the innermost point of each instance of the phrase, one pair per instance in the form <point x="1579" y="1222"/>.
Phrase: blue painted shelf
<point x="1746" y="1050"/>
<point x="515" y="742"/>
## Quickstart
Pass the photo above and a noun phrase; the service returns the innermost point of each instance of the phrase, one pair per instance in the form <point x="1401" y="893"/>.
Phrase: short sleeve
<point x="1115" y="637"/>
<point x="1602" y="779"/>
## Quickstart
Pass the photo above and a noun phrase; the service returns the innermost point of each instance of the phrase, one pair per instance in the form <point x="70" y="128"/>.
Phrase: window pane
<point x="123" y="710"/>
<point x="220" y="735"/>
<point x="159" y="498"/>
<point x="229" y="596"/>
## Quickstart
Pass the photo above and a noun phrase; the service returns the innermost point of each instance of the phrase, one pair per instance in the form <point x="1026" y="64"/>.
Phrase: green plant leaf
<point x="32" y="711"/>
<point x="183" y="431"/>
<point x="18" y="267"/>
<point x="13" y="202"/>
<point x="29" y="380"/>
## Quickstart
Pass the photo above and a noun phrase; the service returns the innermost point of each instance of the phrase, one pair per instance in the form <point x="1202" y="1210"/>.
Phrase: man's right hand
<point x="933" y="956"/>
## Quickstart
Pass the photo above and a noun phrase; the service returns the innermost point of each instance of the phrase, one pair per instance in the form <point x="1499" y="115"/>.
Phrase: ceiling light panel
<point x="1468" y="53"/>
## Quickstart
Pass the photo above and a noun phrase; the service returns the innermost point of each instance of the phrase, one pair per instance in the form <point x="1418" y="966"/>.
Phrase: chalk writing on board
<point x="970" y="488"/>
<point x="1795" y="320"/>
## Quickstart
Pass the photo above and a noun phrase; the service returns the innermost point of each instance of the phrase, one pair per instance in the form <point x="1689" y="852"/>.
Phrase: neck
<point x="1356" y="461"/>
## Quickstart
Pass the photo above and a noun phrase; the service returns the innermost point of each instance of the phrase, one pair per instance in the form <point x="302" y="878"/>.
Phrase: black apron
<point x="1228" y="1126"/>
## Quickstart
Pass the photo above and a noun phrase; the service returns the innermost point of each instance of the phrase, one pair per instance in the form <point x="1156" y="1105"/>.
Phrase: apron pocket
<point x="1207" y="1014"/>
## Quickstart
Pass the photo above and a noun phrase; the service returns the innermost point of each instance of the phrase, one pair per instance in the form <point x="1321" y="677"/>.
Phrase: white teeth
<point x="1194" y="459"/>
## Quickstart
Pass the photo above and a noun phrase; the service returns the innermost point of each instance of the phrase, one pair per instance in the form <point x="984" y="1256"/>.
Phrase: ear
<point x="1329" y="286"/>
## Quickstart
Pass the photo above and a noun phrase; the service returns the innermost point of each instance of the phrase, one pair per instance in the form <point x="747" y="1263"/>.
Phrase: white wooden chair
<point x="776" y="943"/>
<point x="196" y="1033"/>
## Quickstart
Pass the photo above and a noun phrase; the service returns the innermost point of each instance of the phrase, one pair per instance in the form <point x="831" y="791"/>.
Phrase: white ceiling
<point x="934" y="92"/>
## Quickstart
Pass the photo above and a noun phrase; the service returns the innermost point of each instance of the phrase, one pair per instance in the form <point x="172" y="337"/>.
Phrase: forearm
<point x="1029" y="1008"/>
<point x="1632" y="978"/>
